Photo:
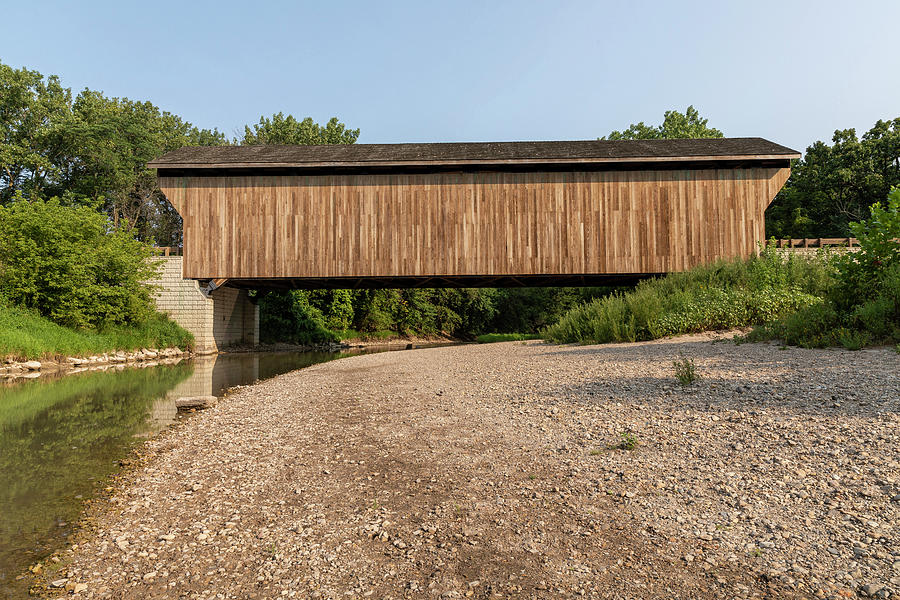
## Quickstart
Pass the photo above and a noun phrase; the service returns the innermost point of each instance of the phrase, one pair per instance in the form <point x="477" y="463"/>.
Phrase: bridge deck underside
<point x="309" y="283"/>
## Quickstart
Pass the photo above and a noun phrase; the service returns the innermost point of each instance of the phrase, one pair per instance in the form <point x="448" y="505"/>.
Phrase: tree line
<point x="89" y="152"/>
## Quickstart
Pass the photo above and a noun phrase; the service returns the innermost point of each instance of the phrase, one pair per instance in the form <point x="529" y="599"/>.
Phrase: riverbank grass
<point x="25" y="335"/>
<point x="490" y="338"/>
<point x="723" y="295"/>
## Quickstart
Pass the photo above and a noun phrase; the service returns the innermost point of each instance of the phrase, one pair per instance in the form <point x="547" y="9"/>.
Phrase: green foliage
<point x="863" y="305"/>
<point x="861" y="273"/>
<point x="530" y="309"/>
<point x="490" y="338"/>
<point x="70" y="265"/>
<point x="281" y="129"/>
<point x="627" y="441"/>
<point x="685" y="371"/>
<point x="289" y="317"/>
<point x="723" y="295"/>
<point x="26" y="335"/>
<point x="91" y="149"/>
<point x="833" y="186"/>
<point x="33" y="114"/>
<point x="675" y="125"/>
<point x="461" y="313"/>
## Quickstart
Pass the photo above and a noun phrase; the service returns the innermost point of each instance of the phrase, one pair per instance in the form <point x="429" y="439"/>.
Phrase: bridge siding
<point x="481" y="223"/>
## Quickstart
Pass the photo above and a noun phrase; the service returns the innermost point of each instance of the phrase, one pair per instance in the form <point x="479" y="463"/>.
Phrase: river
<point x="62" y="438"/>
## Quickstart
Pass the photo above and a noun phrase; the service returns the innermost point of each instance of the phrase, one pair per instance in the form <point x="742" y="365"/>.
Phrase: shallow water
<point x="61" y="438"/>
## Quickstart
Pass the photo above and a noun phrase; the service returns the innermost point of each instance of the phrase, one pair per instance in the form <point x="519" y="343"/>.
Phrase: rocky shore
<point x="520" y="470"/>
<point x="76" y="364"/>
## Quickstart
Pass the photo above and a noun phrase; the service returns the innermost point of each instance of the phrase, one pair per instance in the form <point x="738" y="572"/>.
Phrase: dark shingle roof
<point x="472" y="153"/>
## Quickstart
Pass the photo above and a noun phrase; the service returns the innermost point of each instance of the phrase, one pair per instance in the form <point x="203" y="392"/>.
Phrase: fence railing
<point x="167" y="250"/>
<point x="814" y="242"/>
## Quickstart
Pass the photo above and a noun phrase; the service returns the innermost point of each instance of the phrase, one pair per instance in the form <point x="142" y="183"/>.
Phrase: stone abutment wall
<point x="225" y="318"/>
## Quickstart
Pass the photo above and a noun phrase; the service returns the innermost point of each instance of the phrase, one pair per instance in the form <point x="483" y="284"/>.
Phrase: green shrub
<point x="287" y="316"/>
<point x="72" y="266"/>
<point x="862" y="274"/>
<point x="852" y="339"/>
<point x="723" y="295"/>
<point x="863" y="305"/>
<point x="490" y="338"/>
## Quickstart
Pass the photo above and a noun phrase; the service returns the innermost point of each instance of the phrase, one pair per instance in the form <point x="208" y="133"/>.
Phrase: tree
<point x="114" y="139"/>
<point x="90" y="151"/>
<point x="832" y="186"/>
<point x="675" y="125"/>
<point x="33" y="140"/>
<point x="281" y="129"/>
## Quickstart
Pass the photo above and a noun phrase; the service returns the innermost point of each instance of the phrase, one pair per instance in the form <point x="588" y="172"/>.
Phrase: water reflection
<point x="57" y="439"/>
<point x="60" y="437"/>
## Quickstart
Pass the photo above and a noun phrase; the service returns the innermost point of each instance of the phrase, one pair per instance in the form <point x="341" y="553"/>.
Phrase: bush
<point x="723" y="295"/>
<point x="863" y="305"/>
<point x="72" y="266"/>
<point x="288" y="317"/>
<point x="490" y="338"/>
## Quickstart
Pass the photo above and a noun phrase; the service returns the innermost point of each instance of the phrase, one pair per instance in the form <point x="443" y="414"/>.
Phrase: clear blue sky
<point x="479" y="71"/>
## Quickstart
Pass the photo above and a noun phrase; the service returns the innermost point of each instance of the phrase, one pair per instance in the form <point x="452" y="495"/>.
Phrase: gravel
<point x="500" y="471"/>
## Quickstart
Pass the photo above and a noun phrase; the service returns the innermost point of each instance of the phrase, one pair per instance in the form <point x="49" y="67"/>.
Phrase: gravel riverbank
<point x="497" y="471"/>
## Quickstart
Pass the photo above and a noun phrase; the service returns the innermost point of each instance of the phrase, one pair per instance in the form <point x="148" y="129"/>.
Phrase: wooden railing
<point x="167" y="250"/>
<point x="814" y="242"/>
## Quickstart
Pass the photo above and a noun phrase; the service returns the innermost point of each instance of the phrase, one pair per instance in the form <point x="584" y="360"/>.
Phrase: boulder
<point x="189" y="402"/>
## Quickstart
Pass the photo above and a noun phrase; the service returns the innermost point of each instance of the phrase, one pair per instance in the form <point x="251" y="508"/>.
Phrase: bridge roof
<point x="474" y="154"/>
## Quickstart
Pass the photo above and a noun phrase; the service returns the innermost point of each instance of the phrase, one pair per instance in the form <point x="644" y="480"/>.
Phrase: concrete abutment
<point x="225" y="318"/>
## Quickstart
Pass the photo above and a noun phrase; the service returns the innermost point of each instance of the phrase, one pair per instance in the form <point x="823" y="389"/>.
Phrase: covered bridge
<point x="468" y="214"/>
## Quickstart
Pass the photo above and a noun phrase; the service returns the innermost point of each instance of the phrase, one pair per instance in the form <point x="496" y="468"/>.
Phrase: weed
<point x="685" y="371"/>
<point x="628" y="441"/>
<point x="852" y="340"/>
<point x="595" y="452"/>
<point x="24" y="334"/>
<point x="532" y="477"/>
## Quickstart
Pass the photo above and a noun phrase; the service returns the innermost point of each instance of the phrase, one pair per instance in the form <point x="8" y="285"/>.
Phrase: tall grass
<point x="722" y="295"/>
<point x="26" y="335"/>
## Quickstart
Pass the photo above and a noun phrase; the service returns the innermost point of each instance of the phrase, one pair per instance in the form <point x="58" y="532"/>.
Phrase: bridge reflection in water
<point x="60" y="439"/>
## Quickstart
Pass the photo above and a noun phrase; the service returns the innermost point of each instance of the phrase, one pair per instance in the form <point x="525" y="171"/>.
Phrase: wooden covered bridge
<point x="468" y="214"/>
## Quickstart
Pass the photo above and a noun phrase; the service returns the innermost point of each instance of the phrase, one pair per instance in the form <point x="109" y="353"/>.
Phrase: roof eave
<point x="155" y="164"/>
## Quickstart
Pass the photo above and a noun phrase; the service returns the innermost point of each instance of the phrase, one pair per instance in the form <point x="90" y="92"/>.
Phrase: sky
<point x="423" y="71"/>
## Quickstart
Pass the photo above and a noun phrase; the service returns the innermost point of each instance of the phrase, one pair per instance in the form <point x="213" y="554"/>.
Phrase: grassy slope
<point x="26" y="335"/>
<point x="723" y="295"/>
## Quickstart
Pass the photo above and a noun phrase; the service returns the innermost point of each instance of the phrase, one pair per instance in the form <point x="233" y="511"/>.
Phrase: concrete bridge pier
<point x="225" y="318"/>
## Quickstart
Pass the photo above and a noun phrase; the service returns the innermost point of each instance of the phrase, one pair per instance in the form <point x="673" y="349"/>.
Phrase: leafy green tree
<point x="91" y="150"/>
<point x="288" y="316"/>
<point x="70" y="265"/>
<point x="281" y="129"/>
<point x="34" y="146"/>
<point x="832" y="186"/>
<point x="675" y="125"/>
<point x="114" y="138"/>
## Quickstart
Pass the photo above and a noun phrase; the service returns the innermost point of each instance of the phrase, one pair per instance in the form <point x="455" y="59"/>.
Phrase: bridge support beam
<point x="224" y="317"/>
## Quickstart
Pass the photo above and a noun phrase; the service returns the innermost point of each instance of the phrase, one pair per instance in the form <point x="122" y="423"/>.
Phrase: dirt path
<point x="491" y="471"/>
